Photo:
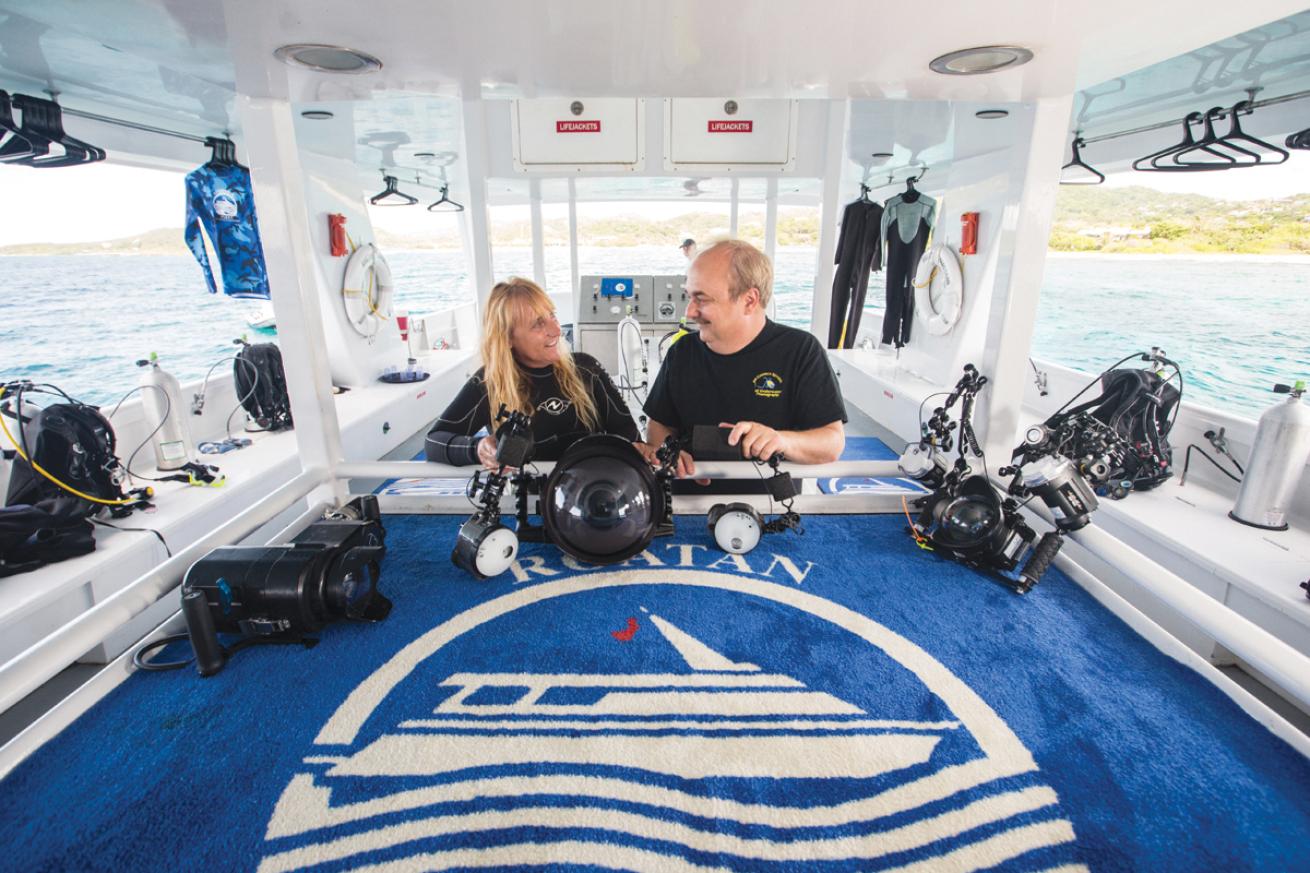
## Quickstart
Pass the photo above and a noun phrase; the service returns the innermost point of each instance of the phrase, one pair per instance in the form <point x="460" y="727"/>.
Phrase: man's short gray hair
<point x="748" y="267"/>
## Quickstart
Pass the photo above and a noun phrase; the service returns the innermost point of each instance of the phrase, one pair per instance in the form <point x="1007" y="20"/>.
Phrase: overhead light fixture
<point x="317" y="114"/>
<point x="984" y="59"/>
<point x="425" y="154"/>
<point x="881" y="156"/>
<point x="991" y="113"/>
<point x="328" y="58"/>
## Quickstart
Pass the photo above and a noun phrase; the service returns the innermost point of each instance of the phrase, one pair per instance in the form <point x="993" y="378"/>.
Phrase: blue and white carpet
<point x="809" y="706"/>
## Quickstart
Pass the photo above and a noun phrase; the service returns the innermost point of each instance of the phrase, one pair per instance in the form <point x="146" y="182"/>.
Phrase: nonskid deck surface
<point x="837" y="700"/>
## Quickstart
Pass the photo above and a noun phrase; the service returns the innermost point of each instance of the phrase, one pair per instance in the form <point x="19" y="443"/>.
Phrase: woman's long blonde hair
<point x="519" y="301"/>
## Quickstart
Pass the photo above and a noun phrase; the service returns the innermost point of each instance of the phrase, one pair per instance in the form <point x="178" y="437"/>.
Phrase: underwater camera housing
<point x="967" y="519"/>
<point x="284" y="593"/>
<point x="602" y="503"/>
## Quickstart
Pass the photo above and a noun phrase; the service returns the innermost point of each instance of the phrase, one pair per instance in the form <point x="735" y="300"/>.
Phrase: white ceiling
<point x="181" y="63"/>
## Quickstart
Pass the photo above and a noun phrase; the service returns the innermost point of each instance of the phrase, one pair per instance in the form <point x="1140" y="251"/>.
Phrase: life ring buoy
<point x="938" y="290"/>
<point x="367" y="289"/>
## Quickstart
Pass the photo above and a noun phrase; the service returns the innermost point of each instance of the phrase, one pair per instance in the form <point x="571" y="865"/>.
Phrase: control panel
<point x="668" y="299"/>
<point x="608" y="299"/>
<point x="657" y="302"/>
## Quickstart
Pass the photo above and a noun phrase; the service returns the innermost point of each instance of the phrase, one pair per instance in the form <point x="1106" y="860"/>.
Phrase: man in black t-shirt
<point x="770" y="383"/>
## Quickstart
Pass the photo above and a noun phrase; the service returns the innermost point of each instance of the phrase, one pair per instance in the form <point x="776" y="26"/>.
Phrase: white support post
<point x="574" y="276"/>
<point x="835" y="164"/>
<point x="771" y="233"/>
<point x="476" y="219"/>
<point x="1025" y="228"/>
<point x="293" y="274"/>
<point x="734" y="202"/>
<point x="538" y="237"/>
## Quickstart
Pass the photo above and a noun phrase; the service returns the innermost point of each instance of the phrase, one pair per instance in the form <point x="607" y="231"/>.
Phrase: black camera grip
<point x="1042" y="558"/>
<point x="710" y="443"/>
<point x="210" y="656"/>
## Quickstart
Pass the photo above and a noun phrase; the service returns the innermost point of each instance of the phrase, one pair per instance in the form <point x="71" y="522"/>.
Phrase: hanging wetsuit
<point x="219" y="202"/>
<point x="906" y="225"/>
<point x="859" y="250"/>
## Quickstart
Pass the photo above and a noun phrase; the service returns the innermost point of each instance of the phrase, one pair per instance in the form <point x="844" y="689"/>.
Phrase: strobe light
<point x="1054" y="479"/>
<point x="603" y="503"/>
<point x="484" y="546"/>
<point x="736" y="527"/>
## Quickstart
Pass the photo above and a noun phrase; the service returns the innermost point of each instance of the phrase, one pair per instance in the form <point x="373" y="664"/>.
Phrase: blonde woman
<point x="527" y="366"/>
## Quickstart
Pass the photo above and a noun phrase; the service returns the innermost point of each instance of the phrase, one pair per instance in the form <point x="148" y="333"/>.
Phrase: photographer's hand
<point x="487" y="453"/>
<point x="647" y="452"/>
<point x="756" y="440"/>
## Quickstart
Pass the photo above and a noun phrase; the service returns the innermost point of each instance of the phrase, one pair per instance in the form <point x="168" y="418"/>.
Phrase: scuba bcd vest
<point x="261" y="385"/>
<point x="1137" y="405"/>
<point x="41" y="521"/>
<point x="75" y="444"/>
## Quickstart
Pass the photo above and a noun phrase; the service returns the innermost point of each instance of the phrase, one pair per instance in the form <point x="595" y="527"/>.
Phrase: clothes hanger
<point x="1150" y="163"/>
<point x="911" y="194"/>
<point x="391" y="191"/>
<point x="43" y="120"/>
<point x="864" y="193"/>
<point x="1211" y="143"/>
<point x="14" y="146"/>
<point x="1078" y="162"/>
<point x="444" y="203"/>
<point x="222" y="151"/>
<point x="1235" y="132"/>
<point x="1300" y="140"/>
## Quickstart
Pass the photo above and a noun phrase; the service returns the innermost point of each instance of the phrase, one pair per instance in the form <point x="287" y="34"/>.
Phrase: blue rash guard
<point x="220" y="200"/>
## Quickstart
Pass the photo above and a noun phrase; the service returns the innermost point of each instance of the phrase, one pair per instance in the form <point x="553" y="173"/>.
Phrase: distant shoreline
<point x="1181" y="256"/>
<point x="1080" y="256"/>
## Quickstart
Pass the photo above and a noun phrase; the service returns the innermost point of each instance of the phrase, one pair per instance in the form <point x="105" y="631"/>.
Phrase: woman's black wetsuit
<point x="555" y="425"/>
<point x="906" y="225"/>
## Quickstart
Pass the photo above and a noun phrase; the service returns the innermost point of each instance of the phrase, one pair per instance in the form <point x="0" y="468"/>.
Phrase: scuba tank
<point x="1278" y="455"/>
<point x="171" y="442"/>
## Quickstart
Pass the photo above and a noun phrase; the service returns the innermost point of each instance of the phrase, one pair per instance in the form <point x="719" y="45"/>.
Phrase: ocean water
<point x="1236" y="326"/>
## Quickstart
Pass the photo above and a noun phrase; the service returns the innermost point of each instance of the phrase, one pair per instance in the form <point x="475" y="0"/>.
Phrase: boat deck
<point x="687" y="708"/>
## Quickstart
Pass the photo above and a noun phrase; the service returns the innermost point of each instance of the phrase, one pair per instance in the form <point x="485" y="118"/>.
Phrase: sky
<point x="109" y="201"/>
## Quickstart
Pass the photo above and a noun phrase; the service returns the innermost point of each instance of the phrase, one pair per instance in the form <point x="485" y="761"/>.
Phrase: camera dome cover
<point x="602" y="502"/>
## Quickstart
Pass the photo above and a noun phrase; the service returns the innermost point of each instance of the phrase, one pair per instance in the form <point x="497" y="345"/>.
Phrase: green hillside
<point x="1136" y="219"/>
<point x="1087" y="219"/>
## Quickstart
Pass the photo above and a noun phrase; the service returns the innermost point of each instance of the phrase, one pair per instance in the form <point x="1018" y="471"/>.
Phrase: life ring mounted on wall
<point x="367" y="290"/>
<point x="938" y="290"/>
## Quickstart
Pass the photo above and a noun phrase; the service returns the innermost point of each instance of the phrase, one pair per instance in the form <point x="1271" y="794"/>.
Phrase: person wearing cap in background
<point x="689" y="249"/>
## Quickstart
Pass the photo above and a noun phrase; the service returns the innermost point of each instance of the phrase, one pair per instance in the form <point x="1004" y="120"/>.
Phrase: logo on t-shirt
<point x="767" y="385"/>
<point x="553" y="406"/>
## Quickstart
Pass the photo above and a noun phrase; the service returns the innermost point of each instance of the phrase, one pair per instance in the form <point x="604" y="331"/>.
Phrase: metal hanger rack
<point x="1252" y="104"/>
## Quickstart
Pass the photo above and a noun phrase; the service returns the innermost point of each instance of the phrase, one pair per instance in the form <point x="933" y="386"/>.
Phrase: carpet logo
<point x="532" y="757"/>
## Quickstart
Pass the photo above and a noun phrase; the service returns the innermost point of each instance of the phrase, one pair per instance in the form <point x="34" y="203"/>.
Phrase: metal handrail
<point x="69" y="709"/>
<point x="708" y="469"/>
<point x="35" y="666"/>
<point x="1279" y="662"/>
